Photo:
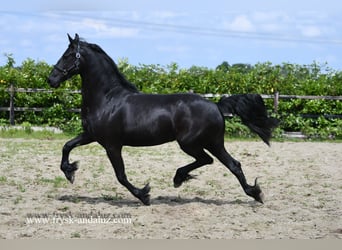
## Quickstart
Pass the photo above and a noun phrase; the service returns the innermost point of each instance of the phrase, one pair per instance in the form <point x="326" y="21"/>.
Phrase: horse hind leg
<point x="202" y="158"/>
<point x="235" y="167"/>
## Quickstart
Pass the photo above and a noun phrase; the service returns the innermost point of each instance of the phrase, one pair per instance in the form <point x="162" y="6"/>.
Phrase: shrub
<point x="262" y="78"/>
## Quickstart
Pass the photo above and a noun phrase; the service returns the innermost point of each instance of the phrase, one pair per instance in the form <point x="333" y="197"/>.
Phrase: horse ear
<point x="70" y="39"/>
<point x="77" y="38"/>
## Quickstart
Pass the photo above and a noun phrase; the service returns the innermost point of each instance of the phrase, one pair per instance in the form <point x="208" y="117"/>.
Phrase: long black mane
<point x="121" y="78"/>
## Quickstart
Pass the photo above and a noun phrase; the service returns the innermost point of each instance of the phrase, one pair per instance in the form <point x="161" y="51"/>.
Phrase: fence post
<point x="12" y="104"/>
<point x="276" y="101"/>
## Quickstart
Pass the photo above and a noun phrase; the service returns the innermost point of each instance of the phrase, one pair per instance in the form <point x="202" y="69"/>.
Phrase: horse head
<point x="68" y="65"/>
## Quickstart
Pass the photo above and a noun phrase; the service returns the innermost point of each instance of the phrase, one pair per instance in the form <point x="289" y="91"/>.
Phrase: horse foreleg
<point x="67" y="167"/>
<point x="114" y="155"/>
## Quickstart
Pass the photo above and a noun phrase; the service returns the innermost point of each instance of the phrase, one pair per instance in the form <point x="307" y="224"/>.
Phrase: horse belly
<point x="149" y="131"/>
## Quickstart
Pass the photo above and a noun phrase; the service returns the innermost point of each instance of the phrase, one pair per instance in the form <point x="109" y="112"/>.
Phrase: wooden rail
<point x="276" y="97"/>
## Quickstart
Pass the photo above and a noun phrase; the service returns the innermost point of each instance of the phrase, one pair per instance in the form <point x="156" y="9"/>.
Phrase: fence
<point x="11" y="109"/>
<point x="276" y="97"/>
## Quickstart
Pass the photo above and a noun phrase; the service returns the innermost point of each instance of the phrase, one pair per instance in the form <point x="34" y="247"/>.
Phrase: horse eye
<point x="67" y="54"/>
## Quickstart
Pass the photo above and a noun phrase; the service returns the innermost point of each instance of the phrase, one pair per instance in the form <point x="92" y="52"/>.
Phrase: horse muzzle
<point x="53" y="82"/>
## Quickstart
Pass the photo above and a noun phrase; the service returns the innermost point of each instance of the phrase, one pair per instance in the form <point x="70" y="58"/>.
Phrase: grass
<point x="27" y="133"/>
<point x="21" y="188"/>
<point x="17" y="200"/>
<point x="57" y="182"/>
<point x="3" y="179"/>
<point x="76" y="235"/>
<point x="64" y="209"/>
<point x="98" y="172"/>
<point x="8" y="132"/>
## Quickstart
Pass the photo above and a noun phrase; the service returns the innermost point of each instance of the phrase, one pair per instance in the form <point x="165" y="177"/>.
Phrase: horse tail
<point x="252" y="111"/>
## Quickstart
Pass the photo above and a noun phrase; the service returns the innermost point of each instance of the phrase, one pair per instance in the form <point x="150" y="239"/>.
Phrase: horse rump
<point x="252" y="111"/>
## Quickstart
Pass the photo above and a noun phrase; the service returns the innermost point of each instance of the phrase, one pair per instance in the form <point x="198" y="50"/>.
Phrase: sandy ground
<point x="302" y="182"/>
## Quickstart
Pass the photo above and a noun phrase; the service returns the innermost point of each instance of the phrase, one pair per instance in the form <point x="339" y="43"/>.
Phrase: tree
<point x="224" y="67"/>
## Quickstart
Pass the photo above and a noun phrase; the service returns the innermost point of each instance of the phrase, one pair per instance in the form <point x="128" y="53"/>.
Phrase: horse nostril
<point x="52" y="83"/>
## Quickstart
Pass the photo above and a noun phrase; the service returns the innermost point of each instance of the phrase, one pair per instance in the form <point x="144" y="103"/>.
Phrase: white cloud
<point x="270" y="21"/>
<point x="102" y="29"/>
<point x="282" y="25"/>
<point x="264" y="16"/>
<point x="310" y="31"/>
<point x="240" y="23"/>
<point x="270" y="27"/>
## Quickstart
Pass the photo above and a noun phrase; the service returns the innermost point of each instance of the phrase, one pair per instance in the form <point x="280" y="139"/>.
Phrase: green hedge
<point x="262" y="78"/>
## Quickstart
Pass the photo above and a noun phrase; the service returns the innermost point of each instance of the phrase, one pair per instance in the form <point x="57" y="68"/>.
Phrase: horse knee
<point x="66" y="148"/>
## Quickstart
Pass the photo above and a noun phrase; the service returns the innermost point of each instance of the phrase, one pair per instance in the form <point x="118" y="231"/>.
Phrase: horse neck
<point x="101" y="76"/>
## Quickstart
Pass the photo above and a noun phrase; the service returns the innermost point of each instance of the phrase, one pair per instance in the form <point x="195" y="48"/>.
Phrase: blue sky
<point x="201" y="33"/>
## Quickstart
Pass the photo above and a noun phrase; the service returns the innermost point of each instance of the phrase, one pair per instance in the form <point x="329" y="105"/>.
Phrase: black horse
<point x="115" y="114"/>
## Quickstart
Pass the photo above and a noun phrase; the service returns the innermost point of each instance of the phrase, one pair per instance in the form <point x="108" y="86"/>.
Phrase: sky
<point x="187" y="32"/>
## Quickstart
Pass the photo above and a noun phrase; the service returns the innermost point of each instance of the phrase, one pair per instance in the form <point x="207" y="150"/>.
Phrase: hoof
<point x="144" y="196"/>
<point x="178" y="181"/>
<point x="258" y="194"/>
<point x="255" y="192"/>
<point x="69" y="171"/>
<point x="261" y="198"/>
<point x="70" y="176"/>
<point x="176" y="185"/>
